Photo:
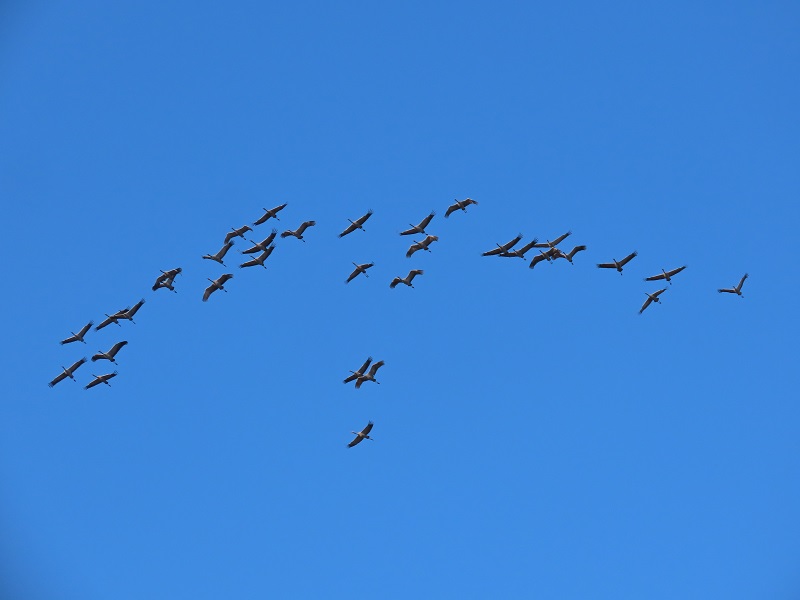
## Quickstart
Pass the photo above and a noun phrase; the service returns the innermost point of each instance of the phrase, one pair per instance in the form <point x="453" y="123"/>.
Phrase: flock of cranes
<point x="547" y="251"/>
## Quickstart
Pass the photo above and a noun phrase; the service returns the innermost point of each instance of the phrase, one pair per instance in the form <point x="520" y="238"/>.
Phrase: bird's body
<point x="67" y="372"/>
<point x="666" y="275"/>
<point x="369" y="375"/>
<point x="112" y="319"/>
<point x="219" y="255"/>
<point x="237" y="233"/>
<point x="503" y="249"/>
<point x="130" y="312"/>
<point x="259" y="260"/>
<point x="298" y="233"/>
<point x="422" y="245"/>
<point x="78" y="337"/>
<point x="654" y="297"/>
<point x="111" y="354"/>
<point x="217" y="284"/>
<point x="361" y="435"/>
<point x="555" y="242"/>
<point x="98" y="379"/>
<point x="735" y="290"/>
<point x="166" y="279"/>
<point x="357" y="224"/>
<point x="618" y="264"/>
<point x="459" y="204"/>
<point x="408" y="278"/>
<point x="415" y="229"/>
<point x="270" y="213"/>
<point x="358" y="270"/>
<point x="263" y="245"/>
<point x="361" y="371"/>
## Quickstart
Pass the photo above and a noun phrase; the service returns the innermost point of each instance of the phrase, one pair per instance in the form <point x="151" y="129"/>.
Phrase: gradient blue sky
<point x="535" y="436"/>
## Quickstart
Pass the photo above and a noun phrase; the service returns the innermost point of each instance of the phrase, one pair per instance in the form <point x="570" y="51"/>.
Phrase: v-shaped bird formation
<point x="260" y="252"/>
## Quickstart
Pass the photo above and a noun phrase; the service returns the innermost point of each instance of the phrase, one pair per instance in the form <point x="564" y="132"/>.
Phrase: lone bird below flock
<point x="361" y="435"/>
<point x="270" y="213"/>
<point x="358" y="270"/>
<point x="409" y="278"/>
<point x="618" y="264"/>
<point x="360" y="373"/>
<point x="423" y="245"/>
<point x="415" y="229"/>
<point x="654" y="297"/>
<point x="219" y="255"/>
<point x="67" y="372"/>
<point x="78" y="337"/>
<point x="217" y="285"/>
<point x="357" y="224"/>
<point x="666" y="275"/>
<point x="263" y="245"/>
<point x="460" y="204"/>
<point x="166" y="279"/>
<point x="259" y="260"/>
<point x="298" y="233"/>
<point x="111" y="354"/>
<point x="98" y="379"/>
<point x="503" y="248"/>
<point x="236" y="233"/>
<point x="369" y="375"/>
<point x="735" y="290"/>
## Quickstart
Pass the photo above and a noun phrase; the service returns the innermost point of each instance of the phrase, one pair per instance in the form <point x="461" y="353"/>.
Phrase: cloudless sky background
<point x="535" y="436"/>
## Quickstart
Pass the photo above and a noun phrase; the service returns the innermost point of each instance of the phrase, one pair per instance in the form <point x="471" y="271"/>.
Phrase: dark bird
<point x="409" y="278"/>
<point x="555" y="242"/>
<point x="735" y="290"/>
<point x="128" y="313"/>
<point x="357" y="224"/>
<point x="423" y="245"/>
<point x="462" y="204"/>
<point x="98" y="379"/>
<point x="166" y="278"/>
<point x="236" y="233"/>
<point x="415" y="229"/>
<point x="360" y="373"/>
<point x="219" y="255"/>
<point x="569" y="255"/>
<point x="217" y="285"/>
<point x="370" y="375"/>
<point x="548" y="255"/>
<point x="112" y="319"/>
<point x="654" y="297"/>
<point x="667" y="275"/>
<point x="519" y="252"/>
<point x="358" y="270"/>
<point x="503" y="248"/>
<point x="78" y="337"/>
<point x="110" y="354"/>
<point x="67" y="372"/>
<point x="618" y="264"/>
<point x="298" y="233"/>
<point x="361" y="435"/>
<point x="261" y="246"/>
<point x="259" y="260"/>
<point x="270" y="213"/>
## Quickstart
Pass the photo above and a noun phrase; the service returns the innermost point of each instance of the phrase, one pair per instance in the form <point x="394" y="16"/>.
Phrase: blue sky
<point x="535" y="436"/>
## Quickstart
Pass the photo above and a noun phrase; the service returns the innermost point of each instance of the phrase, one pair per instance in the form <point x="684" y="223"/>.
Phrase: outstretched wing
<point x="305" y="225"/>
<point x="646" y="304"/>
<point x="574" y="251"/>
<point x="93" y="382"/>
<point x="450" y="209"/>
<point x="60" y="377"/>
<point x="411" y="231"/>
<point x="224" y="250"/>
<point x="528" y="246"/>
<point x="676" y="271"/>
<point x="656" y="277"/>
<point x="561" y="238"/>
<point x="727" y="290"/>
<point x="394" y="283"/>
<point x="374" y="368"/>
<point x="659" y="292"/>
<point x="349" y="229"/>
<point x="249" y="263"/>
<point x="493" y="251"/>
<point x="129" y="313"/>
<point x="353" y="275"/>
<point x="116" y="347"/>
<point x="363" y="219"/>
<point x="429" y="240"/>
<point x="424" y="223"/>
<point x="367" y="429"/>
<point x="104" y="322"/>
<point x="536" y="260"/>
<point x="413" y="273"/>
<point x="606" y="266"/>
<point x="230" y="235"/>
<point x="355" y="442"/>
<point x="209" y="290"/>
<point x="469" y="201"/>
<point x="223" y="278"/>
<point x="628" y="258"/>
<point x="413" y="248"/>
<point x="741" y="282"/>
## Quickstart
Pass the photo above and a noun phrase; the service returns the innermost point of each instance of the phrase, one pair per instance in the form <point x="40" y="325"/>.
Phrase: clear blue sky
<point x="535" y="436"/>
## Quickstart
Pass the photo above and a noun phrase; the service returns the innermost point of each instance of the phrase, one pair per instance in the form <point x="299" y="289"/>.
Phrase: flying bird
<point x="555" y="242"/>
<point x="361" y="435"/>
<point x="462" y="204"/>
<point x="423" y="245"/>
<point x="78" y="337"/>
<point x="129" y="312"/>
<point x="548" y="255"/>
<point x="618" y="264"/>
<point x="370" y="375"/>
<point x="110" y="354"/>
<point x="569" y="255"/>
<point x="409" y="278"/>
<point x="415" y="229"/>
<point x="666" y="275"/>
<point x="358" y="270"/>
<point x="298" y="233"/>
<point x="361" y="371"/>
<point x="98" y="379"/>
<point x="217" y="285"/>
<point x="519" y="252"/>
<point x="357" y="224"/>
<point x="111" y="319"/>
<point x="236" y="233"/>
<point x="654" y="297"/>
<point x="261" y="246"/>
<point x="219" y="255"/>
<point x="67" y="372"/>
<point x="503" y="248"/>
<point x="270" y="213"/>
<point x="166" y="278"/>
<point x="259" y="260"/>
<point x="735" y="290"/>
